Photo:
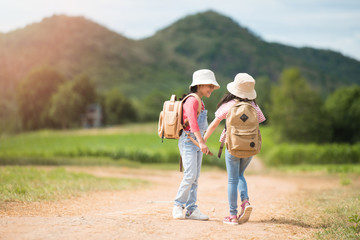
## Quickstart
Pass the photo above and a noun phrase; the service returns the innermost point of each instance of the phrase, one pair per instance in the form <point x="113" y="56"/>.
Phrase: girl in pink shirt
<point x="203" y="84"/>
<point x="241" y="89"/>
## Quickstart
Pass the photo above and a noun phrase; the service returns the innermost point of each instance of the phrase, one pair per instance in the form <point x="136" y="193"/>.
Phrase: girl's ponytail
<point x="193" y="89"/>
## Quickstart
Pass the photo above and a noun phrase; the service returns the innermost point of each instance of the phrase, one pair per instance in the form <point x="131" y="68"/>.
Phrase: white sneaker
<point x="177" y="212"/>
<point x="197" y="215"/>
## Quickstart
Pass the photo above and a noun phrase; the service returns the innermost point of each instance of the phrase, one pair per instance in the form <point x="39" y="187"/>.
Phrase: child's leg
<point x="191" y="202"/>
<point x="189" y="156"/>
<point x="246" y="209"/>
<point x="244" y="162"/>
<point x="232" y="167"/>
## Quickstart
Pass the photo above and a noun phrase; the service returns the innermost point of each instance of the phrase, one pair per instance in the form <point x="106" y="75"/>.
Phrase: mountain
<point x="72" y="45"/>
<point x="217" y="42"/>
<point x="164" y="61"/>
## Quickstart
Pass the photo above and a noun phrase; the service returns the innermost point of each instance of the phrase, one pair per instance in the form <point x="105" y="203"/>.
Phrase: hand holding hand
<point x="204" y="148"/>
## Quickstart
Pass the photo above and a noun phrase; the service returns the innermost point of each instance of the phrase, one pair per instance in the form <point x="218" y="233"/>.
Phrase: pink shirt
<point x="190" y="108"/>
<point x="224" y="109"/>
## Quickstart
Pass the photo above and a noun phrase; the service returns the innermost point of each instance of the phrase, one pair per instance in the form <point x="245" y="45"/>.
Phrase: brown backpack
<point x="243" y="138"/>
<point x="171" y="117"/>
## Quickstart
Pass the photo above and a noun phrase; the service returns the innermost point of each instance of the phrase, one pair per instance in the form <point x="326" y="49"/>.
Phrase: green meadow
<point x="137" y="144"/>
<point x="134" y="145"/>
<point x="28" y="184"/>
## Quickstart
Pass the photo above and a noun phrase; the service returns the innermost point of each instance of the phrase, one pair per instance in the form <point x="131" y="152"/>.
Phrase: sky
<point x="323" y="24"/>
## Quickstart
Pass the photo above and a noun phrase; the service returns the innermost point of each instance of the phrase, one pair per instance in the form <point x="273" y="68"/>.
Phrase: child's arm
<point x="190" y="107"/>
<point x="211" y="128"/>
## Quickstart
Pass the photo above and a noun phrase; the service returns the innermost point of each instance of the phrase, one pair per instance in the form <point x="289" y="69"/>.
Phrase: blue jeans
<point x="235" y="168"/>
<point x="192" y="159"/>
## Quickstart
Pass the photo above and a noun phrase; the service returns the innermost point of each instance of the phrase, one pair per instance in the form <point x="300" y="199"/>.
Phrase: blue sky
<point x="324" y="24"/>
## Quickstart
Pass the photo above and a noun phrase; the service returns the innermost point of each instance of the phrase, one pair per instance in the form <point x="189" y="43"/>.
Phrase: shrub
<point x="296" y="154"/>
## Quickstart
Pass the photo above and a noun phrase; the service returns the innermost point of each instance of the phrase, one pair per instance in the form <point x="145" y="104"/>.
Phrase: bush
<point x="118" y="109"/>
<point x="33" y="97"/>
<point x="343" y="107"/>
<point x="297" y="111"/>
<point x="286" y="154"/>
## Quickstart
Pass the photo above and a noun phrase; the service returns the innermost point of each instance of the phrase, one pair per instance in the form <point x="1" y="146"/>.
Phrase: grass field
<point x="134" y="146"/>
<point x="330" y="211"/>
<point x="138" y="143"/>
<point x="330" y="157"/>
<point x="109" y="146"/>
<point x="28" y="184"/>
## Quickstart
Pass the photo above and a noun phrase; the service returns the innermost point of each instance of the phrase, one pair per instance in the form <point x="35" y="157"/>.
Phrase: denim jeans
<point x="235" y="168"/>
<point x="192" y="159"/>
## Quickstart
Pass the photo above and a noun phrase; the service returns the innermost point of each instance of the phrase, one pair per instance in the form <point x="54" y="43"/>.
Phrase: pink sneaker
<point x="246" y="212"/>
<point x="232" y="219"/>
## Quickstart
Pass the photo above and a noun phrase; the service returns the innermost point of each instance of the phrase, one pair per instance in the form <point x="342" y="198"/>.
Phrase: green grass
<point x="29" y="184"/>
<point x="330" y="156"/>
<point x="136" y="144"/>
<point x="325" y="168"/>
<point x="133" y="143"/>
<point x="324" y="208"/>
<point x="332" y="210"/>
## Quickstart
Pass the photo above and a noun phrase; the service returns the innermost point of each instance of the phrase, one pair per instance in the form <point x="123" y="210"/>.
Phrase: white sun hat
<point x="243" y="86"/>
<point x="204" y="76"/>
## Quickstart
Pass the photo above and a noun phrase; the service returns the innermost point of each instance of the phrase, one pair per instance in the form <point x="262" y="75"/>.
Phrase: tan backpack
<point x="243" y="138"/>
<point x="171" y="117"/>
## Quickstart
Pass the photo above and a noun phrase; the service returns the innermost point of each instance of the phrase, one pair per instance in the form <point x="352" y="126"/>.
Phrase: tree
<point x="263" y="98"/>
<point x="297" y="111"/>
<point x="86" y="89"/>
<point x="151" y="105"/>
<point x="118" y="109"/>
<point x="343" y="107"/>
<point x="71" y="101"/>
<point x="66" y="105"/>
<point x="33" y="97"/>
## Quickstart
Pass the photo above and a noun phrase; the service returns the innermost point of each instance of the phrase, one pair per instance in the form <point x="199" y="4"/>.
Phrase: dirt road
<point x="146" y="213"/>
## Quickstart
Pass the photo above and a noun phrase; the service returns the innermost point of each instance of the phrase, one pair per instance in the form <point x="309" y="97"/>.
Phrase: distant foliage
<point x="297" y="154"/>
<point x="164" y="61"/>
<point x="9" y="117"/>
<point x="33" y="97"/>
<point x="46" y="100"/>
<point x="66" y="106"/>
<point x="343" y="107"/>
<point x="118" y="108"/>
<point x="151" y="105"/>
<point x="263" y="99"/>
<point x="297" y="111"/>
<point x="83" y="86"/>
<point x="204" y="40"/>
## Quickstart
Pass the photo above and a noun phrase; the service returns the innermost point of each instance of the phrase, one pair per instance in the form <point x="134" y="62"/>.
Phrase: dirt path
<point x="146" y="213"/>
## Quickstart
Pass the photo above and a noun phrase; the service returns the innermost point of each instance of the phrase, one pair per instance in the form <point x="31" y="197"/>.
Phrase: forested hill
<point x="215" y="41"/>
<point x="76" y="45"/>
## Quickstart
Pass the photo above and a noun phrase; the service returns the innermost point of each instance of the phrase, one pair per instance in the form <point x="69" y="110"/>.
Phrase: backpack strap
<point x="197" y="98"/>
<point x="180" y="164"/>
<point x="221" y="148"/>
<point x="173" y="98"/>
<point x="199" y="107"/>
<point x="221" y="145"/>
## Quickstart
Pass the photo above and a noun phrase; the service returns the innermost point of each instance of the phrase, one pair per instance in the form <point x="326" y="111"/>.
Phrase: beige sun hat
<point x="204" y="76"/>
<point x="243" y="86"/>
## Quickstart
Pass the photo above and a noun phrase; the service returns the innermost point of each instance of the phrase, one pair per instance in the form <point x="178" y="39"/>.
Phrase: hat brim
<point x="241" y="94"/>
<point x="205" y="83"/>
